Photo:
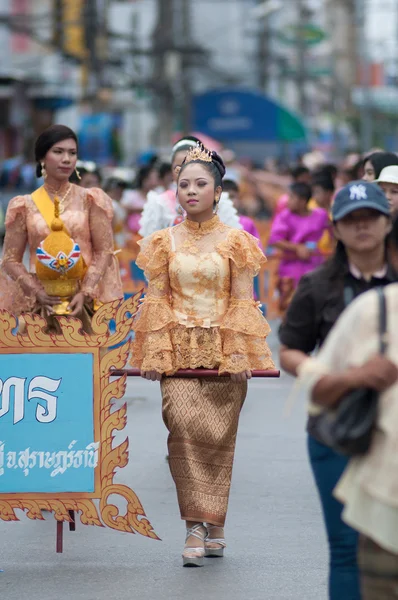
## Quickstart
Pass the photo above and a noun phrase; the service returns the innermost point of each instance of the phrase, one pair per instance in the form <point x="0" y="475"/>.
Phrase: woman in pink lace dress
<point x="87" y="215"/>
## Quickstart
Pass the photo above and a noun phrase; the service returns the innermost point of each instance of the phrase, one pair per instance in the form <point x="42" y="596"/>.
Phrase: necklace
<point x="61" y="200"/>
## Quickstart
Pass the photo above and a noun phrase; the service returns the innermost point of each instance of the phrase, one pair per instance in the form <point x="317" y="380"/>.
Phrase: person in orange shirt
<point x="323" y="190"/>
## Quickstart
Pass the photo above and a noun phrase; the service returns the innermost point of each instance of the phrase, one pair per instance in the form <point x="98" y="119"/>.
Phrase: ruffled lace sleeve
<point x="14" y="248"/>
<point x="244" y="329"/>
<point x="102" y="280"/>
<point x="243" y="250"/>
<point x="152" y="347"/>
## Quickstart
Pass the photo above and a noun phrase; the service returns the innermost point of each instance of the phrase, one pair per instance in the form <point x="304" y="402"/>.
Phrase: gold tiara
<point x="199" y="152"/>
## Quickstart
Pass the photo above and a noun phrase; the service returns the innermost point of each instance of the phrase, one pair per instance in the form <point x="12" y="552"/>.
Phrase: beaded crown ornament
<point x="199" y="152"/>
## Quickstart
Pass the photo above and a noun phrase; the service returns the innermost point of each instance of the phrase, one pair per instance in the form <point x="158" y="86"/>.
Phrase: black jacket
<point x="319" y="301"/>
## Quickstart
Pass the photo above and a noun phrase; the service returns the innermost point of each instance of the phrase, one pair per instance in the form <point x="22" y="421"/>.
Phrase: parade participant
<point x="232" y="189"/>
<point x="296" y="231"/>
<point x="299" y="174"/>
<point x="87" y="175"/>
<point x="199" y="312"/>
<point x="376" y="162"/>
<point x="368" y="488"/>
<point x="388" y="181"/>
<point x="115" y="187"/>
<point x="322" y="191"/>
<point x="361" y="217"/>
<point x="85" y="218"/>
<point x="162" y="210"/>
<point x="166" y="179"/>
<point x="133" y="201"/>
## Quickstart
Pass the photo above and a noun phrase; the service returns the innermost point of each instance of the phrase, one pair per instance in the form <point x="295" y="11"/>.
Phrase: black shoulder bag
<point x="348" y="429"/>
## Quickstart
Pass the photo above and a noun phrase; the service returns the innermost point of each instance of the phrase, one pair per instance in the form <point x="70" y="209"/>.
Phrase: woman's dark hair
<point x="113" y="183"/>
<point x="298" y="171"/>
<point x="337" y="264"/>
<point x="216" y="168"/>
<point x="329" y="170"/>
<point x="324" y="181"/>
<point x="229" y="185"/>
<point x="164" y="169"/>
<point x="179" y="146"/>
<point x="142" y="175"/>
<point x="83" y="171"/>
<point x="302" y="190"/>
<point x="379" y="160"/>
<point x="46" y="140"/>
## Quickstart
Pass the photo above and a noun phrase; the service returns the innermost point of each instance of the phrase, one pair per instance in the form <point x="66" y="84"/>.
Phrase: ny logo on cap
<point x="358" y="192"/>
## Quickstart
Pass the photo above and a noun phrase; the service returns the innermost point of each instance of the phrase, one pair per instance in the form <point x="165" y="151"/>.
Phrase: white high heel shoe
<point x="194" y="557"/>
<point x="210" y="551"/>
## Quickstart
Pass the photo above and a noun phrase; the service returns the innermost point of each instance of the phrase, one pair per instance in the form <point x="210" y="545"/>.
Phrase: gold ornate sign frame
<point x="72" y="339"/>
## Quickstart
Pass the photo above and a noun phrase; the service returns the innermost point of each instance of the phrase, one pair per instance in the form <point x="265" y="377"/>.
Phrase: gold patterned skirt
<point x="202" y="417"/>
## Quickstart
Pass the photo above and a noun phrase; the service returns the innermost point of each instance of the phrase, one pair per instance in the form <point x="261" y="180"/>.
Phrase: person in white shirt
<point x="368" y="488"/>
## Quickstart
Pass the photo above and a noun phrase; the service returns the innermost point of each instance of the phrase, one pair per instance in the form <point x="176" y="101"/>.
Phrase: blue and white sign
<point x="235" y="115"/>
<point x="231" y="114"/>
<point x="47" y="423"/>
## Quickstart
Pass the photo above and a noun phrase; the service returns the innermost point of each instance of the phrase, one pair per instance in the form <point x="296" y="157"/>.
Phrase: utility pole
<point x="301" y="58"/>
<point x="92" y="32"/>
<point x="163" y="72"/>
<point x="263" y="52"/>
<point x="365" y="113"/>
<point x="186" y="79"/>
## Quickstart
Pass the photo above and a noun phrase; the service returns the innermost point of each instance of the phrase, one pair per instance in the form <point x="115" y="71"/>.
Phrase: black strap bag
<point x="348" y="429"/>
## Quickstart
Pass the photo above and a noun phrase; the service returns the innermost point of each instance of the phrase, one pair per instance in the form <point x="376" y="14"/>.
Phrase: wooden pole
<point x="194" y="373"/>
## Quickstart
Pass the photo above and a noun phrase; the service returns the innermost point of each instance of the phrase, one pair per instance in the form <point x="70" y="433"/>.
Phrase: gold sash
<point x="45" y="206"/>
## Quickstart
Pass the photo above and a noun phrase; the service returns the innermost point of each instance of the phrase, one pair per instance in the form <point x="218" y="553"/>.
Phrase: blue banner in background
<point x="236" y="115"/>
<point x="239" y="115"/>
<point x="47" y="423"/>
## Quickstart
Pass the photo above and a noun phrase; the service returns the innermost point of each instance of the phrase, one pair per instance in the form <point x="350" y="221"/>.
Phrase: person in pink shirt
<point x="296" y="231"/>
<point x="300" y="174"/>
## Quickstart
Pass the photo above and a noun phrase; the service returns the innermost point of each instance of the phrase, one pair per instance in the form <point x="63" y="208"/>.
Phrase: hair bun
<point x="219" y="163"/>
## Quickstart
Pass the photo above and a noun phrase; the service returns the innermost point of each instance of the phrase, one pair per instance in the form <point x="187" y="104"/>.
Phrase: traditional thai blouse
<point x="199" y="310"/>
<point x="87" y="215"/>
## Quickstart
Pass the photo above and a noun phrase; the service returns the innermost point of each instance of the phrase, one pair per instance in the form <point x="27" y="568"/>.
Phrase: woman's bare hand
<point x="241" y="377"/>
<point x="303" y="253"/>
<point x="378" y="373"/>
<point x="151" y="375"/>
<point x="76" y="304"/>
<point x="45" y="300"/>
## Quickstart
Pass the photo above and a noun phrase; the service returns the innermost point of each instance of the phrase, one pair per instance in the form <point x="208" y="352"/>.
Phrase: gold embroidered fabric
<point x="199" y="309"/>
<point x="202" y="417"/>
<point x="87" y="215"/>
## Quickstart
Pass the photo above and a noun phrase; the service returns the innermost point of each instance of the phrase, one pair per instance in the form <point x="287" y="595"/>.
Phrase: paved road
<point x="276" y="544"/>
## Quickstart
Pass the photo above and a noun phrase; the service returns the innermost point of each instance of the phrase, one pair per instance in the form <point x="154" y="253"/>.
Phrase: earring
<point x="180" y="210"/>
<point x="43" y="170"/>
<point x="216" y="207"/>
<point x="77" y="173"/>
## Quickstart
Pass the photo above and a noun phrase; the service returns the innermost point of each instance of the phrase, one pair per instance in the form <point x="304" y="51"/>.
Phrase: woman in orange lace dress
<point x="87" y="216"/>
<point x="199" y="312"/>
